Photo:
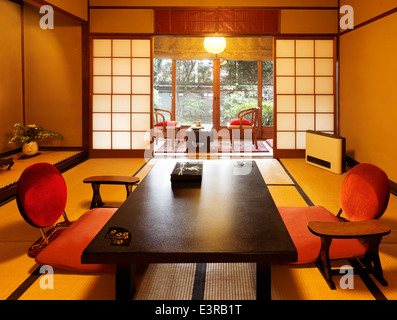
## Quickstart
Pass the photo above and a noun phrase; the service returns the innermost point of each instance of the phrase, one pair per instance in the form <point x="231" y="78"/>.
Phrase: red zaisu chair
<point x="41" y="197"/>
<point x="320" y="236"/>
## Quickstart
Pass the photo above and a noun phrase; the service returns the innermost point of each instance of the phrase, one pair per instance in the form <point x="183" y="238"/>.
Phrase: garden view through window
<point x="193" y="84"/>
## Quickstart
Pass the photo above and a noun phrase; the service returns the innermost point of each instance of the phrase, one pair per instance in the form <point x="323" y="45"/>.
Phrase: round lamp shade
<point x="215" y="44"/>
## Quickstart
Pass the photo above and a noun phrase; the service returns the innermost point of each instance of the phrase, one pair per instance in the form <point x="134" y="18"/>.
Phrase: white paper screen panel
<point x="304" y="48"/>
<point x="121" y="66"/>
<point x="121" y="103"/>
<point x="325" y="103"/>
<point x="305" y="103"/>
<point x="102" y="140"/>
<point x="304" y="67"/>
<point x="286" y="103"/>
<point x="121" y="93"/>
<point x="102" y="48"/>
<point x="140" y="103"/>
<point x="304" y="89"/>
<point x="140" y="140"/>
<point x="304" y="85"/>
<point x="102" y="66"/>
<point x="102" y="103"/>
<point x="102" y="85"/>
<point x="121" y="140"/>
<point x="121" y="121"/>
<point x="121" y="48"/>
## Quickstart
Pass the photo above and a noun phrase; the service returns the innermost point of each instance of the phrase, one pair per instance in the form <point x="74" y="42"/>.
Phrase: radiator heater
<point x="325" y="151"/>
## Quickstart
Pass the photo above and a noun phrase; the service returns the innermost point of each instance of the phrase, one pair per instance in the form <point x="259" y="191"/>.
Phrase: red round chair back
<point x="365" y="193"/>
<point x="41" y="194"/>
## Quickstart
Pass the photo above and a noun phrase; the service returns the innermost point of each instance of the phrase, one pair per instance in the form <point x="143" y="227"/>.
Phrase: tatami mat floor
<point x="289" y="180"/>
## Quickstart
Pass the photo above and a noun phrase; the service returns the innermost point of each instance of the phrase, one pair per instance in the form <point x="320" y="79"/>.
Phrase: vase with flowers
<point x="29" y="135"/>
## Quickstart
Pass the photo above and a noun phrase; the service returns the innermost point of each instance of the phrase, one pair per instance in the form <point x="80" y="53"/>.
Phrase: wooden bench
<point x="96" y="182"/>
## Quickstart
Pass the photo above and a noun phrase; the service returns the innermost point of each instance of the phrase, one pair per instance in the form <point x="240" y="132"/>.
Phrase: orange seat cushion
<point x="307" y="244"/>
<point x="237" y="122"/>
<point x="65" y="251"/>
<point x="167" y="124"/>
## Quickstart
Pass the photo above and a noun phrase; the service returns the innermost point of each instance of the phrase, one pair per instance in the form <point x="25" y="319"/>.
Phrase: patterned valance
<point x="192" y="48"/>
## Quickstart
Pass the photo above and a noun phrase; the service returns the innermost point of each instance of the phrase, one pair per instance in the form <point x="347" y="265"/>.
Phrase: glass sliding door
<point x="238" y="88"/>
<point x="214" y="91"/>
<point x="267" y="93"/>
<point x="162" y="93"/>
<point x="194" y="91"/>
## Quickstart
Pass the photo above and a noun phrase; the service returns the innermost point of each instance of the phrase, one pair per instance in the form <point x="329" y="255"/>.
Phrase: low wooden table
<point x="199" y="140"/>
<point x="230" y="217"/>
<point x="96" y="182"/>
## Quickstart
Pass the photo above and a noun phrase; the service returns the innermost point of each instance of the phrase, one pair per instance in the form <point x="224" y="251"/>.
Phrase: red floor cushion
<point x="65" y="251"/>
<point x="307" y="244"/>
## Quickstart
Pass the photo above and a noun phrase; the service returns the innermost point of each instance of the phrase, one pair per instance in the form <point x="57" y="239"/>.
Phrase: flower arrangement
<point x="32" y="132"/>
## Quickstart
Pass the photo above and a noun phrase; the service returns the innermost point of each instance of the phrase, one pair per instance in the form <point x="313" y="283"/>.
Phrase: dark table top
<point x="230" y="217"/>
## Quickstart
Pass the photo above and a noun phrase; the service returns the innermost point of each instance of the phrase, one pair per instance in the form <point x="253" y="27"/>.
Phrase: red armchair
<point x="168" y="129"/>
<point x="320" y="236"/>
<point x="241" y="124"/>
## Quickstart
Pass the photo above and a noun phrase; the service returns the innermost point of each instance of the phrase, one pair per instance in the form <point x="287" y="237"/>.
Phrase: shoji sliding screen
<point x="304" y="92"/>
<point x="121" y="96"/>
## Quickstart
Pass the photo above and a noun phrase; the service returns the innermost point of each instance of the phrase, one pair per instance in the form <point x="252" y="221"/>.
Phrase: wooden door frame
<point x="216" y="87"/>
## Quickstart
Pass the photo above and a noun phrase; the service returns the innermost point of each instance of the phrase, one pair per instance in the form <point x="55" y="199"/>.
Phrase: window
<point x="162" y="94"/>
<point x="240" y="85"/>
<point x="194" y="91"/>
<point x="267" y="93"/>
<point x="239" y="88"/>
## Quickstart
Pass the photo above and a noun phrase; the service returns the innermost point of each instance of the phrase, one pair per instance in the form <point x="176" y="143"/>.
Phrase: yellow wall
<point x="367" y="9"/>
<point x="78" y="8"/>
<point x="52" y="73"/>
<point x="121" y="21"/>
<point x="309" y="21"/>
<point x="368" y="99"/>
<point x="53" y="76"/>
<point x="138" y="21"/>
<point x="11" y="110"/>
<point x="141" y="21"/>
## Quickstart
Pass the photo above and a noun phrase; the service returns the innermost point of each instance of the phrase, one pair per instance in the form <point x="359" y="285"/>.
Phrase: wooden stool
<point x="96" y="182"/>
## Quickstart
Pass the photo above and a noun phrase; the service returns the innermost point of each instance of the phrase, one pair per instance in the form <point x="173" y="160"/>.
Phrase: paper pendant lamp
<point x="215" y="44"/>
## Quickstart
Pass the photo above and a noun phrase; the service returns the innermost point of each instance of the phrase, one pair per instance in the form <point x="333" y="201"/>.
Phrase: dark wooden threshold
<point x="7" y="193"/>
